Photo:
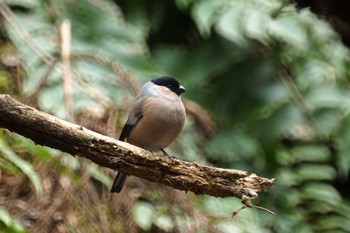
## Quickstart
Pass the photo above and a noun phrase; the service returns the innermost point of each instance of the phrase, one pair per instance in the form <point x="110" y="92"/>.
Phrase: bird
<point x="155" y="120"/>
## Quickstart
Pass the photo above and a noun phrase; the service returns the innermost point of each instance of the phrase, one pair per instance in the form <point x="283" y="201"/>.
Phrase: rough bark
<point x="53" y="132"/>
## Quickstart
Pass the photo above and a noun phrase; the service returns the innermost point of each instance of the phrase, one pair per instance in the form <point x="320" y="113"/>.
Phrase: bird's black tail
<point x="118" y="183"/>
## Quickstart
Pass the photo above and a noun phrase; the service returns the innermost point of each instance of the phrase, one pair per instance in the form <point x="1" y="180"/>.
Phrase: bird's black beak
<point x="180" y="90"/>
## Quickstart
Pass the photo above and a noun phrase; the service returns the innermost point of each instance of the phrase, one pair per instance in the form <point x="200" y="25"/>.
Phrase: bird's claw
<point x="166" y="153"/>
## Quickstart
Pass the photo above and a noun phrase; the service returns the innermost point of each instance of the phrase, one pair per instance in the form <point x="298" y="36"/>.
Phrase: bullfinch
<point x="155" y="120"/>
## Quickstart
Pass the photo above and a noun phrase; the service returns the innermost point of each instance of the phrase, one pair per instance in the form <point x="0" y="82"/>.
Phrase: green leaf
<point x="100" y="175"/>
<point x="288" y="177"/>
<point x="310" y="153"/>
<point x="231" y="147"/>
<point x="308" y="172"/>
<point x="229" y="25"/>
<point x="256" y="25"/>
<point x="23" y="3"/>
<point x="280" y="123"/>
<point x="143" y="214"/>
<point x="43" y="153"/>
<point x="320" y="192"/>
<point x="328" y="96"/>
<point x="23" y="165"/>
<point x="332" y="222"/>
<point x="204" y="13"/>
<point x="164" y="222"/>
<point x="11" y="225"/>
<point x="342" y="143"/>
<point x="287" y="28"/>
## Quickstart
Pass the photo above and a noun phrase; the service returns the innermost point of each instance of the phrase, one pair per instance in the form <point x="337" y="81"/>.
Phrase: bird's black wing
<point x="129" y="125"/>
<point x="134" y="117"/>
<point x="126" y="131"/>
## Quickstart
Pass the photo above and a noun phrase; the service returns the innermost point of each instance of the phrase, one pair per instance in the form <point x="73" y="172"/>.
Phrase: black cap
<point x="170" y="83"/>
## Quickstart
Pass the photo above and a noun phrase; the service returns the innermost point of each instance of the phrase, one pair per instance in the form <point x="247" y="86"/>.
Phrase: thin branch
<point x="65" y="30"/>
<point x="48" y="130"/>
<point x="33" y="95"/>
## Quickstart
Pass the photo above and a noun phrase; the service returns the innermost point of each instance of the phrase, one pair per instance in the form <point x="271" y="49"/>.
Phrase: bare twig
<point x="48" y="130"/>
<point x="247" y="203"/>
<point x="33" y="95"/>
<point x="65" y="30"/>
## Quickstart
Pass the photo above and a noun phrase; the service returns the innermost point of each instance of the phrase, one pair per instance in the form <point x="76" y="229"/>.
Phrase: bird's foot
<point x="154" y="155"/>
<point x="166" y="153"/>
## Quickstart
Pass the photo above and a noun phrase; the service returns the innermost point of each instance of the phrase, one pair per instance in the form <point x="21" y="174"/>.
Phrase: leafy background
<point x="273" y="77"/>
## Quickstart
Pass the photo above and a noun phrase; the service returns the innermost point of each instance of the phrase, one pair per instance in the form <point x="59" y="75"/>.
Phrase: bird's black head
<point x="170" y="83"/>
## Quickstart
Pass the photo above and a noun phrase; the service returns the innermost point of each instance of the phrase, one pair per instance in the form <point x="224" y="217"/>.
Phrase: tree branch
<point x="50" y="131"/>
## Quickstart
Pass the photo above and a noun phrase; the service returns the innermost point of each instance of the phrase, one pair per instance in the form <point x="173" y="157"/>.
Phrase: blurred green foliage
<point x="8" y="224"/>
<point x="276" y="81"/>
<point x="24" y="166"/>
